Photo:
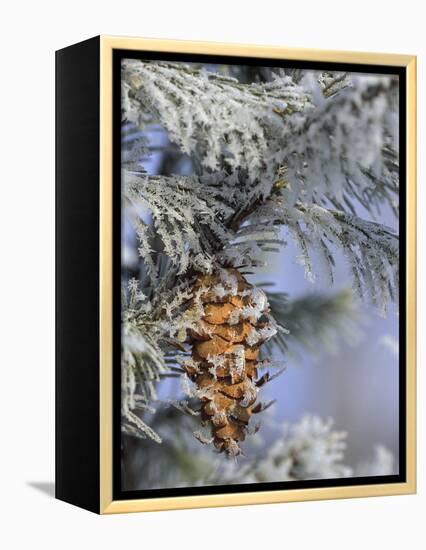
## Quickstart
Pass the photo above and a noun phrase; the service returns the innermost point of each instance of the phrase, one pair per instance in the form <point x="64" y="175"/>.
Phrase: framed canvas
<point x="235" y="274"/>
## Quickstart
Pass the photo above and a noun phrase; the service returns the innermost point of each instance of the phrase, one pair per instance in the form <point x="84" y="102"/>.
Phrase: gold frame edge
<point x="105" y="277"/>
<point x="107" y="504"/>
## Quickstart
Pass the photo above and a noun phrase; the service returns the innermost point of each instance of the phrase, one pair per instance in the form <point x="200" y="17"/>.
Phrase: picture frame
<point x="88" y="252"/>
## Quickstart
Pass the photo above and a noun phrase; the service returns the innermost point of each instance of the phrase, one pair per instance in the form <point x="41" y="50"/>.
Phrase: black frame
<point x="77" y="419"/>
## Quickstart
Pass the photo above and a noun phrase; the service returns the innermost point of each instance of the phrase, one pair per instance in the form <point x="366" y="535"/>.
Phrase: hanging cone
<point x="225" y="346"/>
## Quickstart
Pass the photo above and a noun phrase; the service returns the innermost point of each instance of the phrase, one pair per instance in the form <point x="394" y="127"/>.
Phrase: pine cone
<point x="233" y="323"/>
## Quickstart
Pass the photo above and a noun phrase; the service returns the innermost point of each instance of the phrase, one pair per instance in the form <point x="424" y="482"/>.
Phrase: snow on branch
<point x="187" y="217"/>
<point x="214" y="116"/>
<point x="371" y="249"/>
<point x="141" y="365"/>
<point x="332" y="82"/>
<point x="337" y="137"/>
<point x="347" y="147"/>
<point x="309" y="449"/>
<point x="142" y="362"/>
<point x="195" y="220"/>
<point x="198" y="219"/>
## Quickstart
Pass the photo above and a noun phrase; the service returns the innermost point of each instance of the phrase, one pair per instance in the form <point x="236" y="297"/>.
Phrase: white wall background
<point x="29" y="34"/>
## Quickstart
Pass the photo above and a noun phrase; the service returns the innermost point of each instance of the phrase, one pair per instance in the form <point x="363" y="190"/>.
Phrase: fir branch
<point x="141" y="364"/>
<point x="371" y="249"/>
<point x="177" y="463"/>
<point x="134" y="147"/>
<point x="309" y="449"/>
<point x="312" y="321"/>
<point x="193" y="216"/>
<point x="213" y="116"/>
<point x="344" y="144"/>
<point x="332" y="83"/>
<point x="201" y="220"/>
<point x="147" y="344"/>
<point x="187" y="217"/>
<point x="335" y="148"/>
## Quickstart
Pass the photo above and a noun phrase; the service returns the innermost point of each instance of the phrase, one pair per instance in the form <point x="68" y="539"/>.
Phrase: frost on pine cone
<point x="232" y="323"/>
